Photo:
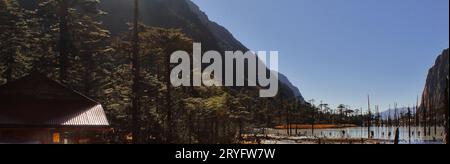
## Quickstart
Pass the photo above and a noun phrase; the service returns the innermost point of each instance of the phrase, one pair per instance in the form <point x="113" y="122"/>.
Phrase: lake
<point x="386" y="134"/>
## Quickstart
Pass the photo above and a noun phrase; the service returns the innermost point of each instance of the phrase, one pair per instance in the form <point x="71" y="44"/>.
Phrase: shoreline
<point x="269" y="139"/>
<point x="316" y="126"/>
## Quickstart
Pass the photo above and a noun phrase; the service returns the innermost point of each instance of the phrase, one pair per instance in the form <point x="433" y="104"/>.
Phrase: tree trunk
<point x="8" y="72"/>
<point x="89" y="68"/>
<point x="63" y="41"/>
<point x="369" y="119"/>
<point x="190" y="127"/>
<point x="136" y="76"/>
<point x="168" y="99"/>
<point x="397" y="136"/>
<point x="313" y="121"/>
<point x="409" y="125"/>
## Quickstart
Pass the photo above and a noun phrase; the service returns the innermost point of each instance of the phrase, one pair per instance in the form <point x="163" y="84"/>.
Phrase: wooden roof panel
<point x="36" y="100"/>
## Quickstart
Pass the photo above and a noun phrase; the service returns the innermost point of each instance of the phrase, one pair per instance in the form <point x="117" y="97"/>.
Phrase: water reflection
<point x="415" y="135"/>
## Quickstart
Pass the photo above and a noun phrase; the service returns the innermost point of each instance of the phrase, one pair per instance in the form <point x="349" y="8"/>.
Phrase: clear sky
<point x="339" y="51"/>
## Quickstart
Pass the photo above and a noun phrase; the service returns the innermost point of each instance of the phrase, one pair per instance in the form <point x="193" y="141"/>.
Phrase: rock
<point x="434" y="92"/>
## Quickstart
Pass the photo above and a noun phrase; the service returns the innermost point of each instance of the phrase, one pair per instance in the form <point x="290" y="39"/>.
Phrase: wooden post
<point x="397" y="136"/>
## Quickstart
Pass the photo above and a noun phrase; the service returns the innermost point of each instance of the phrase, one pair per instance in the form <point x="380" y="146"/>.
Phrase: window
<point x="56" y="138"/>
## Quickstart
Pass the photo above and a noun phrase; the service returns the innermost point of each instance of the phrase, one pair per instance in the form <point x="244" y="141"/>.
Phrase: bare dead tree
<point x="313" y="119"/>
<point x="397" y="136"/>
<point x="409" y="125"/>
<point x="389" y="116"/>
<point x="369" y="118"/>
<point x="417" y="114"/>
<point x="424" y="117"/>
<point x="396" y="115"/>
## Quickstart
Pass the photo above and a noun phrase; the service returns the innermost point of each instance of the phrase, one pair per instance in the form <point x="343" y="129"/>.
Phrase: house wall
<point x="32" y="136"/>
<point x="49" y="136"/>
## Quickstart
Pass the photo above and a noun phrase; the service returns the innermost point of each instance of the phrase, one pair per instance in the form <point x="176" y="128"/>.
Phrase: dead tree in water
<point x="378" y="116"/>
<point x="402" y="119"/>
<point x="297" y="107"/>
<point x="417" y="115"/>
<point x="396" y="115"/>
<point x="378" y="120"/>
<point x="397" y="136"/>
<point x="369" y="120"/>
<point x="409" y="124"/>
<point x="424" y="117"/>
<point x="362" y="121"/>
<point x="389" y="116"/>
<point x="313" y="119"/>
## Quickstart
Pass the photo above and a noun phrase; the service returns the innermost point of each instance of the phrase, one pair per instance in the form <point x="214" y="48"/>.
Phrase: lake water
<point x="383" y="133"/>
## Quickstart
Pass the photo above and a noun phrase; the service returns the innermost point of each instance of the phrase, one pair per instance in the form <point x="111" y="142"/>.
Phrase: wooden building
<point x="38" y="110"/>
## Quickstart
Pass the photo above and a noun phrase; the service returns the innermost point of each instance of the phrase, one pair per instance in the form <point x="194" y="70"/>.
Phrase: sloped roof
<point x="37" y="101"/>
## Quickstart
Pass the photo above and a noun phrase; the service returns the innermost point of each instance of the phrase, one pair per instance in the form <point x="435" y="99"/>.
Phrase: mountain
<point x="182" y="14"/>
<point x="292" y="87"/>
<point x="434" y="92"/>
<point x="400" y="111"/>
<point x="179" y="14"/>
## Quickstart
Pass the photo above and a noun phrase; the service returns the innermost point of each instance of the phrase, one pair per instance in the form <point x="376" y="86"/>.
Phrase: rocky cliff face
<point x="434" y="92"/>
<point x="292" y="87"/>
<point x="182" y="14"/>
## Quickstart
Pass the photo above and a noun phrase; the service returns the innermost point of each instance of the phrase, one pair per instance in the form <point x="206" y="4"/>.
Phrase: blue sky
<point x="339" y="51"/>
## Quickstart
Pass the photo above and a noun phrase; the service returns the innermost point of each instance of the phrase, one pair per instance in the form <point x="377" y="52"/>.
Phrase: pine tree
<point x="155" y="46"/>
<point x="136" y="75"/>
<point x="18" y="41"/>
<point x="74" y="32"/>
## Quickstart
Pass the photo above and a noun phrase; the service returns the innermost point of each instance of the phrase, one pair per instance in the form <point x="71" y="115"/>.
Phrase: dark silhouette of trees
<point x="17" y="40"/>
<point x="136" y="76"/>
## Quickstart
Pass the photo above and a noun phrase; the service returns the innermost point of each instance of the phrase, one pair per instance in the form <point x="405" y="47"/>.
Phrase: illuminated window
<point x="56" y="138"/>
